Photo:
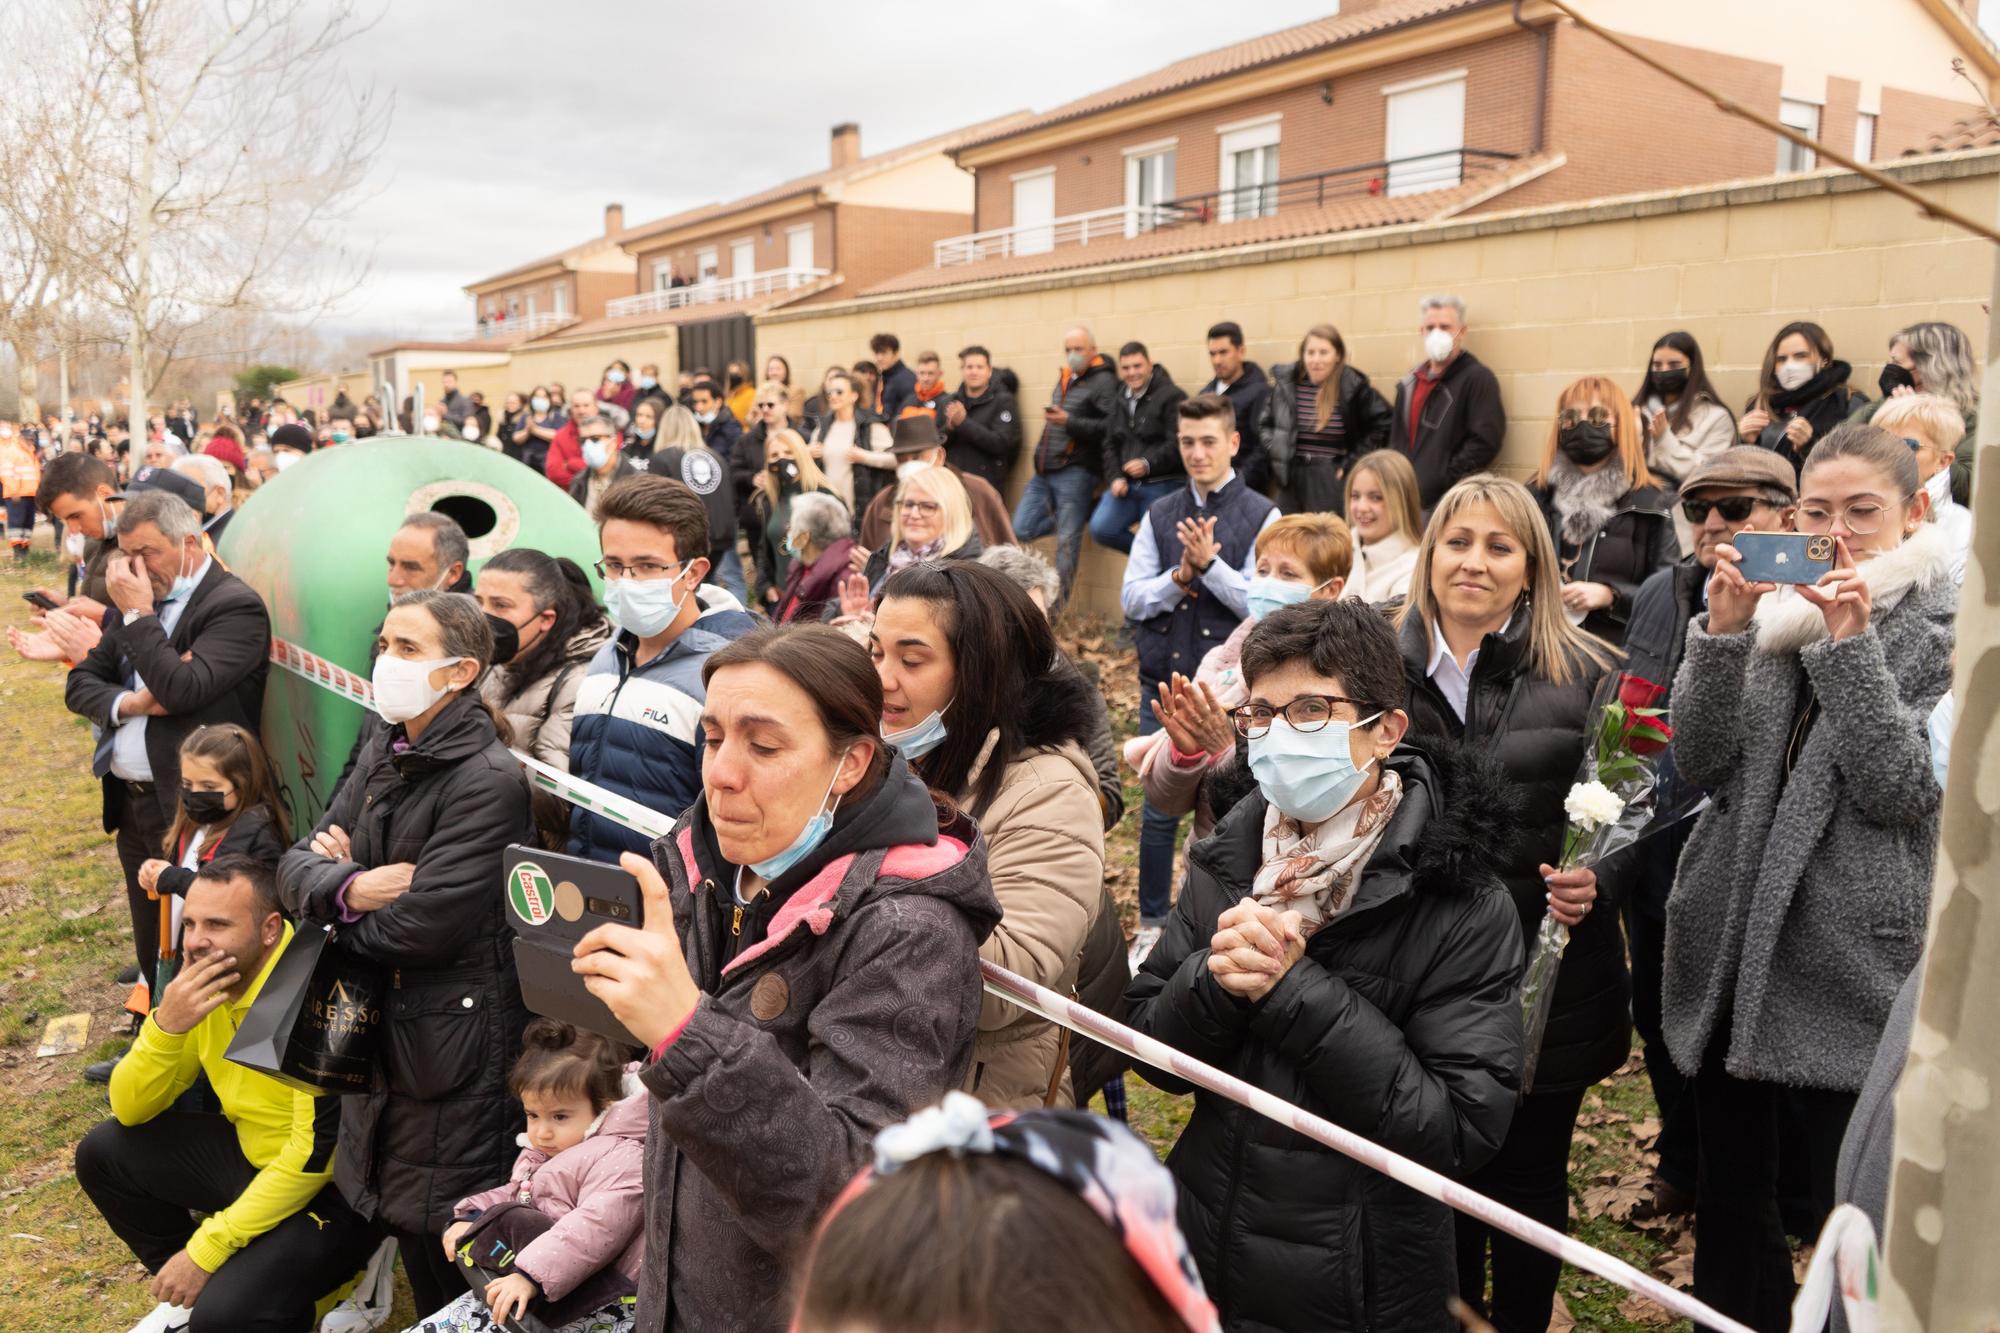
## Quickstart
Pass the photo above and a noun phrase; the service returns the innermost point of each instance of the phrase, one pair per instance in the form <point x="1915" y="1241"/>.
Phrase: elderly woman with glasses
<point x="1343" y="943"/>
<point x="933" y="522"/>
<point x="1613" y="526"/>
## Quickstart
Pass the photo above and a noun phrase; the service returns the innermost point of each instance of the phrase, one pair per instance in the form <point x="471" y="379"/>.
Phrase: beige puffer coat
<point x="541" y="722"/>
<point x="1045" y="855"/>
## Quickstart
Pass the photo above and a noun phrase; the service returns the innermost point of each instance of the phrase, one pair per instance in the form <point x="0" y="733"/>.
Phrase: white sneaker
<point x="165" y="1319"/>
<point x="1143" y="940"/>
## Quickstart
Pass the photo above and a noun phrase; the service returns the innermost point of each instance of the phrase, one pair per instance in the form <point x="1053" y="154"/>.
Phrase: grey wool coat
<point x="1801" y="901"/>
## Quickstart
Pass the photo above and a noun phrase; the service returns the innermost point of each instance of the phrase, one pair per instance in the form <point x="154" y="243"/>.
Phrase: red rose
<point x="1636" y="692"/>
<point x="1643" y="735"/>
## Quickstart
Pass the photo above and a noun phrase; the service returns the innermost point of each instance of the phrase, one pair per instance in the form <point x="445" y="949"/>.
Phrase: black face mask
<point x="506" y="638"/>
<point x="735" y="382"/>
<point x="1895" y="377"/>
<point x="1586" y="443"/>
<point x="204" y="807"/>
<point x="1668" y="382"/>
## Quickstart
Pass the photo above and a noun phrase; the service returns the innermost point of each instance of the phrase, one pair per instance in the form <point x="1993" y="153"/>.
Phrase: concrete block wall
<point x="1554" y="294"/>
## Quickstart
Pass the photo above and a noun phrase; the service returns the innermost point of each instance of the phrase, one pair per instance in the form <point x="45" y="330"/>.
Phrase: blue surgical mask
<point x="704" y="417"/>
<point x="643" y="606"/>
<point x="811" y="836"/>
<point x="791" y="547"/>
<point x="614" y="377"/>
<point x="596" y="452"/>
<point x="918" y="741"/>
<point x="183" y="585"/>
<point x="1307" y="774"/>
<point x="1267" y="594"/>
<point x="540" y="405"/>
<point x="648" y="382"/>
<point x="646" y="434"/>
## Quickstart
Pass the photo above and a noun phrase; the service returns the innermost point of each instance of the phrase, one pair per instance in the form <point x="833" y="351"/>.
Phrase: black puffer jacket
<point x="1364" y="413"/>
<point x="1634" y="543"/>
<point x="440" y="1123"/>
<point x="988" y="441"/>
<point x="1147" y="429"/>
<point x="1402" y="1022"/>
<point x="1535" y="731"/>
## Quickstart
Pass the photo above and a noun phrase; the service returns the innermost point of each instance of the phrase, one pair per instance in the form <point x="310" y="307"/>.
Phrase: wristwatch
<point x="134" y="614"/>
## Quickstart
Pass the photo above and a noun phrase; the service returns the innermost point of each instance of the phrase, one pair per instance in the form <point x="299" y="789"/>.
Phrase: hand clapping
<point x="1253" y="947"/>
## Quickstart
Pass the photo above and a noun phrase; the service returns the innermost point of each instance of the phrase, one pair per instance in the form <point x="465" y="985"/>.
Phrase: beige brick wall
<point x="1316" y="137"/>
<point x="1554" y="294"/>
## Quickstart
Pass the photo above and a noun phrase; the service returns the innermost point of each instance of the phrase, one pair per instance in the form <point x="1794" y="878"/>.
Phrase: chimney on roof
<point x="846" y="144"/>
<point x="614" y="219"/>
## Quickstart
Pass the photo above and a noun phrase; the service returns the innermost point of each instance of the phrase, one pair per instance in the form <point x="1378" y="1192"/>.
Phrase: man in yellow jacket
<point x="277" y="1236"/>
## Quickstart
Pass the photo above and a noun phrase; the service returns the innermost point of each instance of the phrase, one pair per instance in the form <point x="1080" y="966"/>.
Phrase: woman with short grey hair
<point x="818" y="540"/>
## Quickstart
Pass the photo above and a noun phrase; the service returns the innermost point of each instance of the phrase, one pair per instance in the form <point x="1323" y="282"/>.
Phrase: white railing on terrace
<point x="715" y="290"/>
<point x="1034" y="238"/>
<point x="498" y="326"/>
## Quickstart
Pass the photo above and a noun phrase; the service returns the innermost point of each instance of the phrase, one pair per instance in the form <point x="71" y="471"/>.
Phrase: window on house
<point x="1803" y="117"/>
<point x="531" y="305"/>
<point x="1034" y="212"/>
<point x="1425" y="131"/>
<point x="1249" y="183"/>
<point x="705" y="265"/>
<point x="1149" y="182"/>
<point x="559" y="299"/>
<point x="742" y="258"/>
<point x="663" y="274"/>
<point x="1864" y="137"/>
<point x="799" y="247"/>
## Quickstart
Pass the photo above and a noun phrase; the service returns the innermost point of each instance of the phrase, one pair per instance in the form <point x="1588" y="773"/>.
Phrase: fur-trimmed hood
<point x="1786" y="622"/>
<point x="1056" y="711"/>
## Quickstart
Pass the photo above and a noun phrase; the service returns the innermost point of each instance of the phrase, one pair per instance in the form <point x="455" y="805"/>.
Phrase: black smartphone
<point x="1783" y="557"/>
<point x="40" y="600"/>
<point x="554" y="900"/>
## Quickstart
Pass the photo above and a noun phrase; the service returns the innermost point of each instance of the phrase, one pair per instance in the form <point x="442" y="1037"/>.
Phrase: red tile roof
<point x="1482" y="182"/>
<point x="1981" y="130"/>
<point x="1286" y="44"/>
<point x="859" y="169"/>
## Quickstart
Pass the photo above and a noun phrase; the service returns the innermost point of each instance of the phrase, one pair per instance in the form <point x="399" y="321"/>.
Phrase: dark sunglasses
<point x="1735" y="508"/>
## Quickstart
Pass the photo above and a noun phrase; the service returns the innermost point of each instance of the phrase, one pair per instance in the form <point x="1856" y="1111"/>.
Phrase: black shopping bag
<point x="317" y="1022"/>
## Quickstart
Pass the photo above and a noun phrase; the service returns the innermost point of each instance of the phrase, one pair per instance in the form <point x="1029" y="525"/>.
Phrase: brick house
<point x="545" y="294"/>
<point x="1401" y="111"/>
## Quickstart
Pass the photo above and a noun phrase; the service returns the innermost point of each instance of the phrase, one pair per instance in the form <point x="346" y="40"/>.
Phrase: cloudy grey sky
<point x="516" y="121"/>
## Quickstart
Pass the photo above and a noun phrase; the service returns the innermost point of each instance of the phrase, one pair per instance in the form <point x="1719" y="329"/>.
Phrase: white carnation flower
<point x="1592" y="805"/>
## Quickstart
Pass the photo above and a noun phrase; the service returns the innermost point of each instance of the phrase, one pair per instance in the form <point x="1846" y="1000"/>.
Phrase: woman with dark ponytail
<point x="546" y="625"/>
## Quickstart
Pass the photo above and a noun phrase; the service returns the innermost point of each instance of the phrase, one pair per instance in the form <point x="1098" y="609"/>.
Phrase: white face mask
<point x="285" y="459"/>
<point x="1437" y="346"/>
<point x="471" y="431"/>
<point x="1794" y="373"/>
<point x="904" y="471"/>
<point x="430" y="425"/>
<point x="596" y="452"/>
<point x="403" y="688"/>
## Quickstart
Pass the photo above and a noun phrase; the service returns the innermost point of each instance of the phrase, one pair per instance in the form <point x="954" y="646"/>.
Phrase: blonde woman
<point x="1611" y="522"/>
<point x="850" y="437"/>
<point x="933" y="522"/>
<point x="1495" y="666"/>
<point x="1387" y="522"/>
<point x="788" y="473"/>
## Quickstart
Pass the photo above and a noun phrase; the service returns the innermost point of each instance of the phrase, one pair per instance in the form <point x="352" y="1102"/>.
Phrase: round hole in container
<point x="488" y="514"/>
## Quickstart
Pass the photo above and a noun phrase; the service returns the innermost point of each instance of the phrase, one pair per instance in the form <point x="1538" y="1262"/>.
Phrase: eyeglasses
<point x="1597" y="416"/>
<point x="1307" y="713"/>
<point x="1860" y="519"/>
<point x="642" y="570"/>
<point x="1916" y="446"/>
<point x="1735" y="508"/>
<point x="923" y="507"/>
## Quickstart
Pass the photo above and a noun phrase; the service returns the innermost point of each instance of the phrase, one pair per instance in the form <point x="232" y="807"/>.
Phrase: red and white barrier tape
<point x="1088" y="1022"/>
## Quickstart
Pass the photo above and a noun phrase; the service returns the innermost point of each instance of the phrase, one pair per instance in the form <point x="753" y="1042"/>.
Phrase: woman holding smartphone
<point x="1801" y="901"/>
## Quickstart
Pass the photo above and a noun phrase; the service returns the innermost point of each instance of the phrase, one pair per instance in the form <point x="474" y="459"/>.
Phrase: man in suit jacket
<point x="190" y="648"/>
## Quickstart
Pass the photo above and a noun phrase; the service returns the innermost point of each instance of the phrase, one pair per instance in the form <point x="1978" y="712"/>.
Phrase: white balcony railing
<point x="1034" y="238"/>
<point x="500" y="326"/>
<point x="714" y="290"/>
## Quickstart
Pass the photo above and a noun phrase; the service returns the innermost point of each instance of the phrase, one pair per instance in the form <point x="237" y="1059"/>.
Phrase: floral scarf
<point x="905" y="555"/>
<point x="1313" y="871"/>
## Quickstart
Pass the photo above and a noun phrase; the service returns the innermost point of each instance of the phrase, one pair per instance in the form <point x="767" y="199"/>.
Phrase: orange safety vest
<point x="20" y="470"/>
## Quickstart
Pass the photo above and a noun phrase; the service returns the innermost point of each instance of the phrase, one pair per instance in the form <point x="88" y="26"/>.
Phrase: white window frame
<point x="1866" y="124"/>
<point x="559" y="298"/>
<point x="1426" y="177"/>
<point x="736" y="249"/>
<point x="663" y="274"/>
<point x="707" y="264"/>
<point x="1245" y="136"/>
<point x="1043" y="238"/>
<point x="1157" y="159"/>
<point x="1791" y="157"/>
<point x="792" y="234"/>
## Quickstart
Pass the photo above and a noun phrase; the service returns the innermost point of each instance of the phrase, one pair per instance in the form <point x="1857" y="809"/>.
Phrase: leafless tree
<point x="229" y="149"/>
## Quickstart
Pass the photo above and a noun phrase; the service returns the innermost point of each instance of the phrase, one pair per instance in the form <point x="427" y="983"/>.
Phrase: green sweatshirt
<point x="287" y="1135"/>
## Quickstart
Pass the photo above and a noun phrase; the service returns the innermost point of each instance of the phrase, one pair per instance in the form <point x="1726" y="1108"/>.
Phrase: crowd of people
<point x="1369" y="668"/>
